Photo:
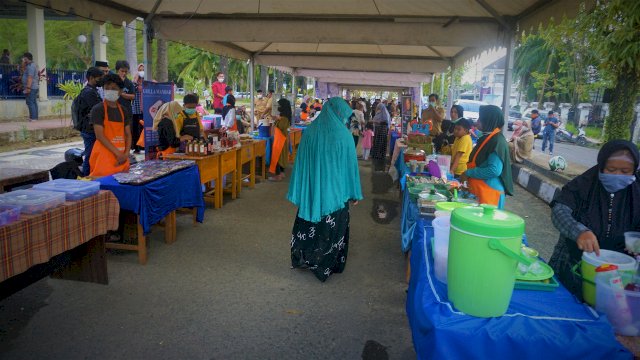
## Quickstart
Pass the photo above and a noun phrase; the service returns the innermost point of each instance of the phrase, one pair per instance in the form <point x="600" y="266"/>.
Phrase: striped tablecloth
<point x="34" y="239"/>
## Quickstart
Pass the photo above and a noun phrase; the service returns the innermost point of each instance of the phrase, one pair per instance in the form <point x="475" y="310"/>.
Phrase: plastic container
<point x="74" y="189"/>
<point x="441" y="228"/>
<point x="444" y="161"/>
<point x="622" y="307"/>
<point x="264" y="131"/>
<point x="632" y="241"/>
<point x="9" y="214"/>
<point x="33" y="201"/>
<point x="625" y="263"/>
<point x="427" y="201"/>
<point x="484" y="250"/>
<point x="449" y="206"/>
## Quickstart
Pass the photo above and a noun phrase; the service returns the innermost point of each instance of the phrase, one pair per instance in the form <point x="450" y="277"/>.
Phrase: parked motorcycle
<point x="563" y="135"/>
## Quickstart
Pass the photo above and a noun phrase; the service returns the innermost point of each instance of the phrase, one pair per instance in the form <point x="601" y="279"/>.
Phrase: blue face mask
<point x="189" y="111"/>
<point x="614" y="183"/>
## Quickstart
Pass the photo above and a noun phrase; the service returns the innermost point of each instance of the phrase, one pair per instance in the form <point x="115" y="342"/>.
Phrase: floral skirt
<point x="321" y="247"/>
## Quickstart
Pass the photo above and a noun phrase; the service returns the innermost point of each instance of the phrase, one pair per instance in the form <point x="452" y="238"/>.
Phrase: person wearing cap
<point x="30" y="85"/>
<point x="549" y="132"/>
<point x="87" y="99"/>
<point x="112" y="126"/>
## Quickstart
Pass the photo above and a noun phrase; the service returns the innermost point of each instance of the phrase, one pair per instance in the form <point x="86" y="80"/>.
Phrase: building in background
<point x="492" y="84"/>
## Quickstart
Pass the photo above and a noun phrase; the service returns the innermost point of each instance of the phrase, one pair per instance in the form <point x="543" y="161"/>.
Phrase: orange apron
<point x="141" y="139"/>
<point x="478" y="187"/>
<point x="102" y="161"/>
<point x="279" y="140"/>
<point x="167" y="151"/>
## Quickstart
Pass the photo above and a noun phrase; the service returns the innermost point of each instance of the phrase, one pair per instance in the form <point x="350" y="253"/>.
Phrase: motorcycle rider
<point x="549" y="132"/>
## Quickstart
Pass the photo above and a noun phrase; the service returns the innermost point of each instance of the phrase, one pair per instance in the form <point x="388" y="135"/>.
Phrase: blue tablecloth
<point x="393" y="136"/>
<point x="410" y="215"/>
<point x="269" y="141"/>
<point x="403" y="170"/>
<point x="549" y="325"/>
<point x="155" y="200"/>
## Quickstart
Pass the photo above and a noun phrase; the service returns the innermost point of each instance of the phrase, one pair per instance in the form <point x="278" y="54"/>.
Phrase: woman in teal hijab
<point x="489" y="168"/>
<point x="325" y="178"/>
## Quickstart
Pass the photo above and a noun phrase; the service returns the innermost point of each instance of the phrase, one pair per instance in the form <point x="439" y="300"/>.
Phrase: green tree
<point x="613" y="29"/>
<point x="203" y="64"/>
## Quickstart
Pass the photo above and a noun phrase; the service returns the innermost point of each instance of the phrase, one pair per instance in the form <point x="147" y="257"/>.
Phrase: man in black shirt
<point x="129" y="90"/>
<point x="87" y="99"/>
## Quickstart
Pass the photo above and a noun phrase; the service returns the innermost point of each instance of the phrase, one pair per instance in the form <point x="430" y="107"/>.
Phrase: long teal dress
<point x="325" y="178"/>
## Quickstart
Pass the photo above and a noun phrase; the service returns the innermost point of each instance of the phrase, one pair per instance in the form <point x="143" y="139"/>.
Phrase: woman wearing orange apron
<point x="165" y="124"/>
<point x="279" y="150"/>
<point x="110" y="153"/>
<point x="488" y="172"/>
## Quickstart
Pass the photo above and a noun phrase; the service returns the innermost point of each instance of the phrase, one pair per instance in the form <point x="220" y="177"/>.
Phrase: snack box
<point x="9" y="214"/>
<point x="33" y="201"/>
<point x="74" y="189"/>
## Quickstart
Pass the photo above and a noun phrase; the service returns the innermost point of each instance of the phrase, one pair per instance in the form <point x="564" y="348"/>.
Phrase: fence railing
<point x="11" y="81"/>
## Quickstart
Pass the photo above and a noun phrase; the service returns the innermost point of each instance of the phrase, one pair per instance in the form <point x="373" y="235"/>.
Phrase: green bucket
<point x="484" y="250"/>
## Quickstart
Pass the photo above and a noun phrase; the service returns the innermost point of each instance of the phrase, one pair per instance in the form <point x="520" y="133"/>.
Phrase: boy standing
<point x="112" y="126"/>
<point x="461" y="147"/>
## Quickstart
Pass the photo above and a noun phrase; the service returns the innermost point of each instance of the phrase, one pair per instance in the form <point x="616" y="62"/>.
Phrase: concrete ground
<point x="225" y="290"/>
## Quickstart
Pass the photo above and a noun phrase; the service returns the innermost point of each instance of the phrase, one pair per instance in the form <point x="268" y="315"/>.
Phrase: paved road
<point x="574" y="154"/>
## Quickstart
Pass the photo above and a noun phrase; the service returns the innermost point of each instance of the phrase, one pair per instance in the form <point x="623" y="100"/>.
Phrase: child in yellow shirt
<point x="461" y="148"/>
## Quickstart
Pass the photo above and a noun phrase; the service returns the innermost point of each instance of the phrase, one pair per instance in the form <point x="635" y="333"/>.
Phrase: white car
<point x="471" y="108"/>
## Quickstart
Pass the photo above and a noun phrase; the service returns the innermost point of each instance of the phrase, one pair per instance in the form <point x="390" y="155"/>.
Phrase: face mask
<point x="432" y="104"/>
<point x="259" y="96"/>
<point x="220" y="79"/>
<point x="141" y="74"/>
<point x="614" y="183"/>
<point x="111" y="95"/>
<point x="190" y="111"/>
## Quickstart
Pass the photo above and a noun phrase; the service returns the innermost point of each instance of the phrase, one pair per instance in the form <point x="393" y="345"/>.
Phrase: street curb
<point x="536" y="183"/>
<point x="37" y="134"/>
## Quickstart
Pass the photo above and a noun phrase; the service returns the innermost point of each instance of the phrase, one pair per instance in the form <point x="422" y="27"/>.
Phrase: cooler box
<point x="264" y="131"/>
<point x="74" y="189"/>
<point x="33" y="201"/>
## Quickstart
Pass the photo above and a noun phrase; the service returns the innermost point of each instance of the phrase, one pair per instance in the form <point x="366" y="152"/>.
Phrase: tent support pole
<point x="252" y="89"/>
<point x="508" y="74"/>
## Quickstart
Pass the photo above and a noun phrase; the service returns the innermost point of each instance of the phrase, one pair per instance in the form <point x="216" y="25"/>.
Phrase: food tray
<point x="537" y="285"/>
<point x="74" y="189"/>
<point x="33" y="201"/>
<point x="9" y="214"/>
<point x="147" y="171"/>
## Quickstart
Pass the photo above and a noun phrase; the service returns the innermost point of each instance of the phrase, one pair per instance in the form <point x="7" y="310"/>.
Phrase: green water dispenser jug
<point x="484" y="251"/>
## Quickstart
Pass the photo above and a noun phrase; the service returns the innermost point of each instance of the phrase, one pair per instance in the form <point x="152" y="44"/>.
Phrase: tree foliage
<point x="613" y="30"/>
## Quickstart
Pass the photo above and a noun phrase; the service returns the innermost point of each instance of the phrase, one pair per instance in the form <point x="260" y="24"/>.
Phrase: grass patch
<point x="592" y="132"/>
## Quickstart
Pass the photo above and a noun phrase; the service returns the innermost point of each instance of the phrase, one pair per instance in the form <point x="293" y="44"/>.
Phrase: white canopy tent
<point x="392" y="36"/>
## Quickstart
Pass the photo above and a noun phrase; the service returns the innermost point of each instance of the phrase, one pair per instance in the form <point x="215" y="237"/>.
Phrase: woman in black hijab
<point x="594" y="210"/>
